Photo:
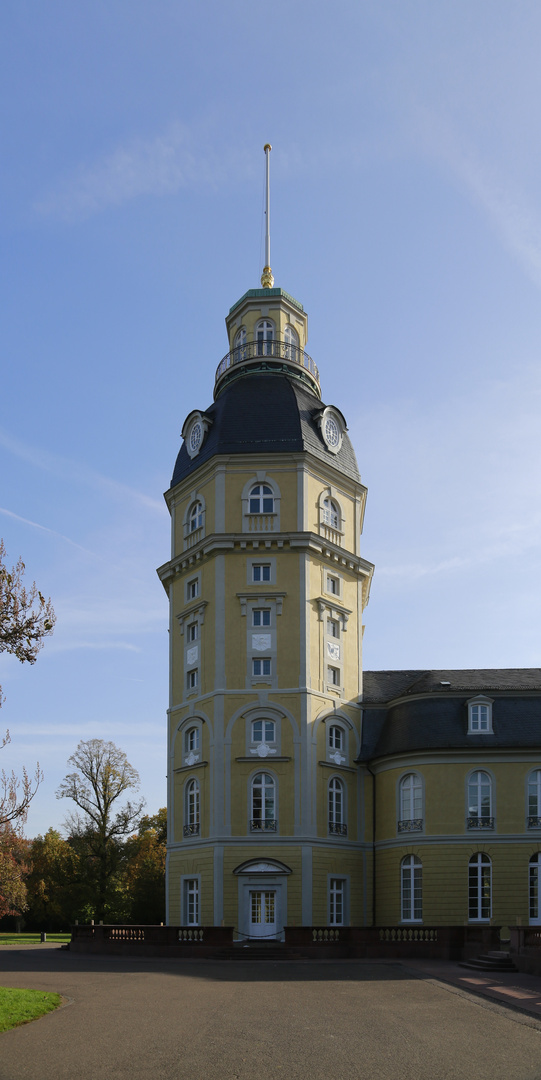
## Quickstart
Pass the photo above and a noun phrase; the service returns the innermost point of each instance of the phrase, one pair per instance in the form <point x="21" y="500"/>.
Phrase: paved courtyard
<point x="158" y="1020"/>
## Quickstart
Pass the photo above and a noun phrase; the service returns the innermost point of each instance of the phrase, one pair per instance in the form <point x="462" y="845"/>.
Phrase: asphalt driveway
<point x="158" y="1020"/>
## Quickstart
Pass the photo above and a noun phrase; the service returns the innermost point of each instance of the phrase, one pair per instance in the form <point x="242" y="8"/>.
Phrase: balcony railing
<point x="191" y="830"/>
<point x="534" y="822"/>
<point x="338" y="828"/>
<point x="263" y="825"/>
<point x="277" y="349"/>
<point x="479" y="822"/>
<point x="414" y="824"/>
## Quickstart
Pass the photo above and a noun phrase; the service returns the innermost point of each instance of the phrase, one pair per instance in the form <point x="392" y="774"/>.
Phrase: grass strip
<point x="30" y="939"/>
<point x="20" y="1006"/>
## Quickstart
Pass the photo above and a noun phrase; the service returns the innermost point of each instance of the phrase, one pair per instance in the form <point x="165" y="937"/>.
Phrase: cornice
<point x="310" y="542"/>
<point x="454" y="756"/>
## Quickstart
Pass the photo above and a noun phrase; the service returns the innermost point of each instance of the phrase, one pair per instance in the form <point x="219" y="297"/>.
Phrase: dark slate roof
<point x="262" y="414"/>
<point x="436" y="717"/>
<point x="383" y="686"/>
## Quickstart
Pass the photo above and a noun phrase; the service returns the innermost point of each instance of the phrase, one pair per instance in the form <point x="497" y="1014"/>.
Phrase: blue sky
<point x="406" y="217"/>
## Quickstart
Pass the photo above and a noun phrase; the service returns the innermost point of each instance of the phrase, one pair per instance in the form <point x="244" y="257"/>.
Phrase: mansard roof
<point x="420" y="711"/>
<point x="265" y="414"/>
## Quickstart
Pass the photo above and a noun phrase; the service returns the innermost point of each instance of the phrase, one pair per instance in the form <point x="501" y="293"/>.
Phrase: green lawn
<point x="31" y="939"/>
<point x="21" y="1006"/>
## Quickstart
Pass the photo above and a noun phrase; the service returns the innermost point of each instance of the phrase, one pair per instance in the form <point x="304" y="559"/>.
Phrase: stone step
<point x="489" y="963"/>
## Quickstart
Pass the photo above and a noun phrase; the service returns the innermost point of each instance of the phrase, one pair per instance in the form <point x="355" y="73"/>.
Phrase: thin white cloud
<point x="43" y="528"/>
<point x="74" y="471"/>
<point x="158" y="166"/>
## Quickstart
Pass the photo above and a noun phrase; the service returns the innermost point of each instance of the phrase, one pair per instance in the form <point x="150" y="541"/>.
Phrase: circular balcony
<point x="267" y="357"/>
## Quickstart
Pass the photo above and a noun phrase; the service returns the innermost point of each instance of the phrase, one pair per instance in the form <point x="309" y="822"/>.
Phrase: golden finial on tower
<point x="267" y="279"/>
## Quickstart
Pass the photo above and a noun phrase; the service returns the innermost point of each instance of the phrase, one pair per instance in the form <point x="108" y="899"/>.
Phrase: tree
<point x="57" y="889"/>
<point x="103" y="776"/>
<point x="26" y="619"/>
<point x="145" y="870"/>
<point x="13" y="870"/>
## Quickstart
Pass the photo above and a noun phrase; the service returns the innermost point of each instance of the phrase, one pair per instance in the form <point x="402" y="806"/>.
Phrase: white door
<point x="262" y="913"/>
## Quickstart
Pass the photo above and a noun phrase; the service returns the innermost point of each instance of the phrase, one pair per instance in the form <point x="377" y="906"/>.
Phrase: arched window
<point x="191" y="809"/>
<point x="240" y="352"/>
<point x="195" y="517"/>
<point x="291" y="339"/>
<point x="534" y="799"/>
<point x="480" y="801"/>
<point x="263" y="816"/>
<point x="264" y="334"/>
<point x="261" y="499"/>
<point x="479" y="887"/>
<point x="411" y="889"/>
<point x="331" y="513"/>
<point x="337" y="823"/>
<point x="535" y="879"/>
<point x="411" y="803"/>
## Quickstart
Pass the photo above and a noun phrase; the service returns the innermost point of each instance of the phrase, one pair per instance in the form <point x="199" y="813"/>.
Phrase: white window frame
<point x="337" y="807"/>
<point x="479" y="872"/>
<point x="337" y="889"/>
<point x="476" y="815"/>
<point x="259" y="569"/>
<point x="192" y="808"/>
<point x="264" y="738"/>
<point x="264" y="337"/>
<point x="480" y="715"/>
<point x="269" y="822"/>
<point x="262" y="662"/>
<point x="192" y="679"/>
<point x="334" y="677"/>
<point x="193" y="582"/>
<point x="534" y="889"/>
<point x="192" y="631"/>
<point x="239" y="346"/>
<point x="261" y="613"/>
<point x="411" y="889"/>
<point x="190" y="886"/>
<point x="533" y="799"/>
<point x="291" y="338"/>
<point x="410" y="802"/>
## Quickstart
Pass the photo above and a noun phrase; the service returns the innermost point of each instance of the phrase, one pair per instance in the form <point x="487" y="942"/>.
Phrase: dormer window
<point x="264" y="335"/>
<point x="480" y="716"/>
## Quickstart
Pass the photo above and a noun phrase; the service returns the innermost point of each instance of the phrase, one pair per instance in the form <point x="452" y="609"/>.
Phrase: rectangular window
<point x="193" y="632"/>
<point x="333" y="585"/>
<point x="191" y="902"/>
<point x="263" y="731"/>
<point x="261" y="667"/>
<point x="337" y="888"/>
<point x="333" y="628"/>
<point x="333" y="676"/>
<point x="192" y="679"/>
<point x="261" y="572"/>
<point x="261" y="617"/>
<point x="193" y="589"/>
